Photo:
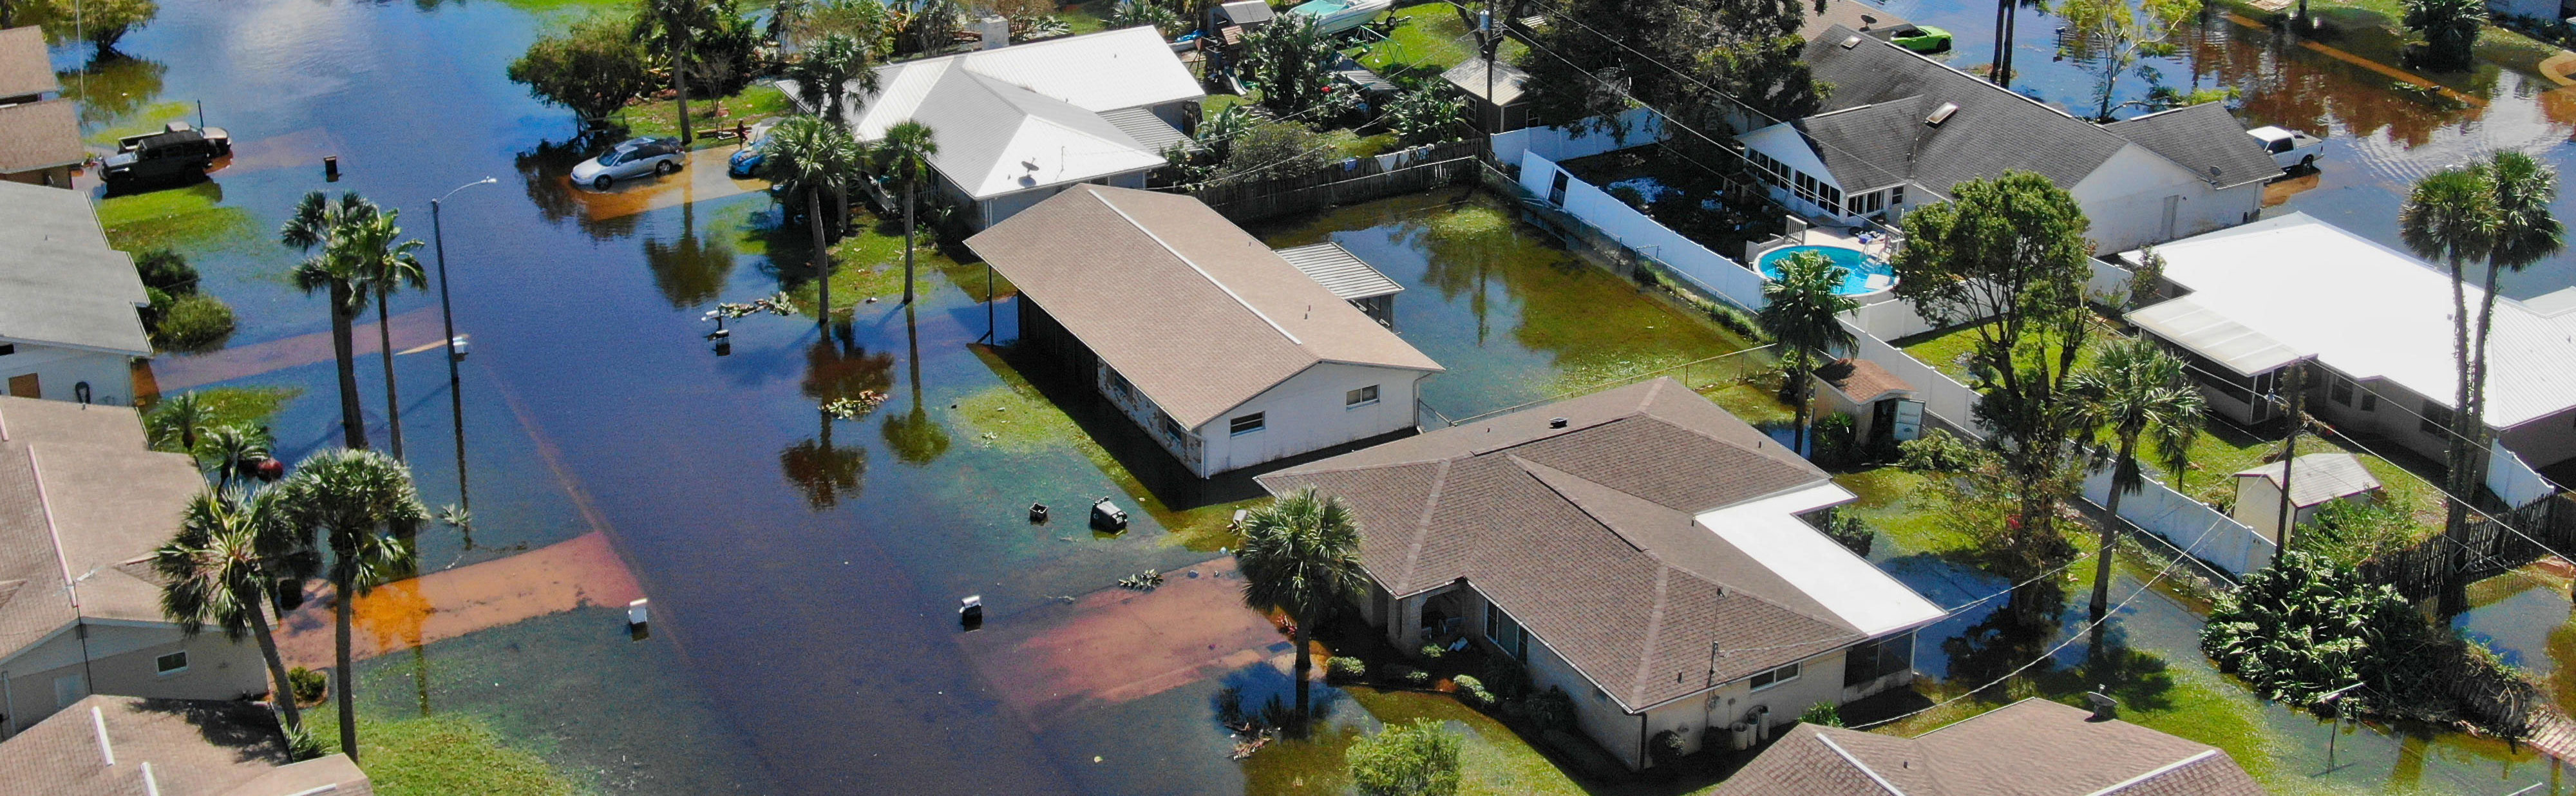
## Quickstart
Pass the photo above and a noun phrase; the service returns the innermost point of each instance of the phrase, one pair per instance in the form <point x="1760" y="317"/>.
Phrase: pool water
<point x="1862" y="273"/>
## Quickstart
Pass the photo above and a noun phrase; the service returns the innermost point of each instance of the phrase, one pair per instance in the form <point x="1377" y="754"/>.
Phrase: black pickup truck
<point x="177" y="152"/>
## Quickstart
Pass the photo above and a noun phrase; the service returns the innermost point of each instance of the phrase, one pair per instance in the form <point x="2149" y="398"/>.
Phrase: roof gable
<point x="2205" y="139"/>
<point x="2034" y="747"/>
<point x="59" y="282"/>
<point x="80" y="500"/>
<point x="24" y="66"/>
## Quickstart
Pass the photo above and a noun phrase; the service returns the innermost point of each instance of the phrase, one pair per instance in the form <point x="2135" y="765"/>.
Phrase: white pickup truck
<point x="2290" y="149"/>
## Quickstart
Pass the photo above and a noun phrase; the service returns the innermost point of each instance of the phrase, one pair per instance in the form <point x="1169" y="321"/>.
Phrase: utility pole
<point x="455" y="383"/>
<point x="2290" y="456"/>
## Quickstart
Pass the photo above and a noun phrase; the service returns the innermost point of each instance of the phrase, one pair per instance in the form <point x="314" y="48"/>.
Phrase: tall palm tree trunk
<point x="2455" y="514"/>
<point x="393" y="398"/>
<point x="907" y="242"/>
<point x="822" y="260"/>
<point x="284" y="687"/>
<point x="1305" y="665"/>
<point x="2125" y="469"/>
<point x="353" y="423"/>
<point x="680" y="83"/>
<point x="341" y="681"/>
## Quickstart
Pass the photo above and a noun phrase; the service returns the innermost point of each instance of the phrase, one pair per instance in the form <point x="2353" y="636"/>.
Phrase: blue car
<point x="745" y="163"/>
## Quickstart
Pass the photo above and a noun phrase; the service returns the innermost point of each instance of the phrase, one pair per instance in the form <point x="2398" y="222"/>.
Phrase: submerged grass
<point x="191" y="219"/>
<point x="1493" y="760"/>
<point x="439" y="755"/>
<point x="1017" y="416"/>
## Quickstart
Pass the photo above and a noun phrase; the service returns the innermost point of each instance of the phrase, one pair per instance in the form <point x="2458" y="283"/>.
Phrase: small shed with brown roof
<point x="1873" y="397"/>
<point x="1640" y="548"/>
<point x="39" y="137"/>
<point x="2034" y="747"/>
<point x="116" y="746"/>
<point x="1222" y="351"/>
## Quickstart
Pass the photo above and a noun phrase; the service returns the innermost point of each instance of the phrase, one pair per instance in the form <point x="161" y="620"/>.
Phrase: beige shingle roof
<point x="1584" y="534"/>
<point x="2034" y="747"/>
<point x="40" y="135"/>
<point x="81" y="500"/>
<point x="1196" y="313"/>
<point x="24" y="67"/>
<point x="1861" y="380"/>
<point x="191" y="748"/>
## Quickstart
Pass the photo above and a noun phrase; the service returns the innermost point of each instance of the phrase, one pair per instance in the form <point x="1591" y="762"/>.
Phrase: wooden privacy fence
<point x="2492" y="548"/>
<point x="1355" y="180"/>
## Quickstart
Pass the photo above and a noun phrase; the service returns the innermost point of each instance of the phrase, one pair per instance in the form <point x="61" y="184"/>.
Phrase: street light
<point x="455" y="384"/>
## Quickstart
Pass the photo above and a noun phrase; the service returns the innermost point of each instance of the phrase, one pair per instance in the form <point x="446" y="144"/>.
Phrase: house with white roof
<point x="1641" y="549"/>
<point x="1017" y="124"/>
<point x="1900" y="129"/>
<point x="2255" y="299"/>
<point x="1223" y="351"/>
<point x="69" y="330"/>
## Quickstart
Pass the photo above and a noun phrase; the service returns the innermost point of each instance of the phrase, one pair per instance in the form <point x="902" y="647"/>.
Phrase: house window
<point x="1171" y="428"/>
<point x="1360" y="397"/>
<point x="1118" y="385"/>
<point x="2341" y="392"/>
<point x="1774" y="677"/>
<point x="1876" y="658"/>
<point x="2369" y="401"/>
<point x="1896" y="196"/>
<point x="8" y="348"/>
<point x="1245" y="424"/>
<point x="1505" y="633"/>
<point x="2437" y="418"/>
<point x="171" y="664"/>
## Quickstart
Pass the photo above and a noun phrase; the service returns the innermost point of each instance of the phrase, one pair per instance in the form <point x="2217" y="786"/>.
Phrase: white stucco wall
<point x="120" y="662"/>
<point x="1306" y="413"/>
<point x="58" y="370"/>
<point x="2125" y="200"/>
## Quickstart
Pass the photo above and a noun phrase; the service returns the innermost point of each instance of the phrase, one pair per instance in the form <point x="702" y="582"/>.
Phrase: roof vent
<point x="1851" y="42"/>
<point x="1556" y="422"/>
<point x="1941" y="114"/>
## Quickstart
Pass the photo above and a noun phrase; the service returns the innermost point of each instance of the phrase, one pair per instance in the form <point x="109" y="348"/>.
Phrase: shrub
<point x="1628" y="195"/>
<point x="309" y="685"/>
<point x="1504" y="678"/>
<point x="1277" y="150"/>
<point x="1846" y="528"/>
<point x="1825" y="714"/>
<point x="1472" y="691"/>
<point x="1552" y="709"/>
<point x="193" y="323"/>
<point x="1836" y="448"/>
<point x="1425" y="115"/>
<point x="1432" y="652"/>
<point x="2307" y="625"/>
<point x="166" y="271"/>
<point x="1345" y="670"/>
<point x="1666" y="747"/>
<point x="1417" y="759"/>
<point x="1408" y="675"/>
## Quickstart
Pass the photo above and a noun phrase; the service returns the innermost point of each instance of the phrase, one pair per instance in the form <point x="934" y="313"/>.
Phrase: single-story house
<point x="83" y="502"/>
<point x="1641" y="549"/>
<point x="2251" y="301"/>
<point x="121" y="746"/>
<point x="1226" y="354"/>
<point x="1508" y="108"/>
<point x="40" y="139"/>
<point x="1017" y="124"/>
<point x="1349" y="277"/>
<point x="2033" y="747"/>
<point x="69" y="330"/>
<point x="1901" y="129"/>
<point x="1880" y="404"/>
<point x="2315" y="480"/>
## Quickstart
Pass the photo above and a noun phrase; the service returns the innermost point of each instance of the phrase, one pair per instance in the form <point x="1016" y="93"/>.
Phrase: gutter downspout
<point x="1642" y="762"/>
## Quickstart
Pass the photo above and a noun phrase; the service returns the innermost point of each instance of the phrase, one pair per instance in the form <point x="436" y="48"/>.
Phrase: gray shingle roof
<point x="1584" y="534"/>
<point x="1197" y="314"/>
<point x="2204" y="138"/>
<point x="1148" y="129"/>
<point x="2034" y="747"/>
<point x="1340" y="271"/>
<point x="1874" y="126"/>
<point x="59" y="282"/>
<point x="193" y="748"/>
<point x="79" y="493"/>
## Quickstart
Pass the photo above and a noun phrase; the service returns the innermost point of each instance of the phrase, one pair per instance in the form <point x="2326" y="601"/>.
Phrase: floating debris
<point x="1142" y="581"/>
<point x="777" y="304"/>
<point x="1244" y="747"/>
<point x="851" y="407"/>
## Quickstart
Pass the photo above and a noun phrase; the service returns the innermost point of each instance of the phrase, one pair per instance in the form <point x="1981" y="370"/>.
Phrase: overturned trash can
<point x="970" y="612"/>
<point x="1107" y="516"/>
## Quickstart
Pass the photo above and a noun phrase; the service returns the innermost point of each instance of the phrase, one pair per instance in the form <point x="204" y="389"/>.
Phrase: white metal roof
<point x="2363" y="309"/>
<point x="60" y="284"/>
<point x="2214" y="335"/>
<point x="1855" y="590"/>
<point x="1099" y="72"/>
<point x="2320" y="477"/>
<point x="1340" y="271"/>
<point x="997" y="138"/>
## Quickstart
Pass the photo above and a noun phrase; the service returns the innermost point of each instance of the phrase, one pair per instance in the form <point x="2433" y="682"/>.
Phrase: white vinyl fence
<point x="2513" y="480"/>
<point x="1713" y="272"/>
<point x="2189" y="524"/>
<point x="1643" y="125"/>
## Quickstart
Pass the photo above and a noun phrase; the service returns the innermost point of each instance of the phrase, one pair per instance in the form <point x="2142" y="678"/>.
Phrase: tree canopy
<point x="593" y="68"/>
<point x="1696" y="60"/>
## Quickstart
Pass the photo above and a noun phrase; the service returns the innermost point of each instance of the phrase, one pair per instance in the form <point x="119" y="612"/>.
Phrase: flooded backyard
<point x="803" y="571"/>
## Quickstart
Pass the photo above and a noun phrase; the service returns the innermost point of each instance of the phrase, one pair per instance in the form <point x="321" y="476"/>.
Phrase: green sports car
<point x="1921" y="38"/>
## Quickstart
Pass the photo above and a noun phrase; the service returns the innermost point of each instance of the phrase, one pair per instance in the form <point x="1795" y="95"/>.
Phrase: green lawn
<point x="658" y="118"/>
<point x="1493" y="761"/>
<point x="1429" y="39"/>
<point x="439" y="755"/>
<point x="189" y="218"/>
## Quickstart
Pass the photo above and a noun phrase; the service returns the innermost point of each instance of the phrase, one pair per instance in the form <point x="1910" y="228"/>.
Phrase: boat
<point x="1335" y="16"/>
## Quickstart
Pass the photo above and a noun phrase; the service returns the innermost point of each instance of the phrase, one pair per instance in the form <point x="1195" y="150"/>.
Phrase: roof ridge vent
<point x="1941" y="114"/>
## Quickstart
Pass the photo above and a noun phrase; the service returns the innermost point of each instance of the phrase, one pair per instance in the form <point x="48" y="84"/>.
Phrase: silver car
<point x="633" y="157"/>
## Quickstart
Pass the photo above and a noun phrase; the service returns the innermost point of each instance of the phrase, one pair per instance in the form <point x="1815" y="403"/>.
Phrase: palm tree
<point x="177" y="420"/>
<point x="233" y="550"/>
<point x="233" y="451"/>
<point x="2525" y="232"/>
<point x="385" y="263"/>
<point x="811" y="155"/>
<point x="830" y="74"/>
<point x="668" y="27"/>
<point x="908" y="147"/>
<point x="1801" y="310"/>
<point x="363" y="505"/>
<point x="317" y="222"/>
<point x="2138" y="391"/>
<point x="2450" y="215"/>
<point x="1301" y="556"/>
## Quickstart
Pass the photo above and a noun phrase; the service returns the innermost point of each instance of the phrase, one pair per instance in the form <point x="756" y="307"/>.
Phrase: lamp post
<point x="455" y="384"/>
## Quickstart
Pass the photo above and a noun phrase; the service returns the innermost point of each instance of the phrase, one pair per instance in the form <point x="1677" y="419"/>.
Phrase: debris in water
<point x="1142" y="581"/>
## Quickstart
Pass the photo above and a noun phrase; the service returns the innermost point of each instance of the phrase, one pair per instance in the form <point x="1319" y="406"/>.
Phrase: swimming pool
<point x="1862" y="272"/>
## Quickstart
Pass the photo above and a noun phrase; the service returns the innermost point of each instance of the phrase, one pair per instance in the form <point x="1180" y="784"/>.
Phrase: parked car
<point x="634" y="157"/>
<point x="745" y="162"/>
<point x="178" y="151"/>
<point x="1921" y="38"/>
<point x="2290" y="149"/>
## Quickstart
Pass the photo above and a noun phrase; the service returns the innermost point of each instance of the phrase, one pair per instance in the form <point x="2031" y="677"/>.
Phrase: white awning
<point x="1852" y="588"/>
<point x="2211" y="334"/>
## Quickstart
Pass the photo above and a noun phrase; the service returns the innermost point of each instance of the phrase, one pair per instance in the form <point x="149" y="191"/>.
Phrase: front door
<point x="25" y="386"/>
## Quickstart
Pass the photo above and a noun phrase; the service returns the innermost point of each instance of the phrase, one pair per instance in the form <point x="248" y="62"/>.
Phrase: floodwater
<point x="2335" y="84"/>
